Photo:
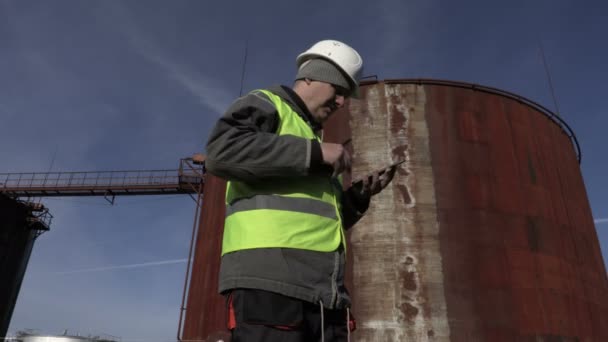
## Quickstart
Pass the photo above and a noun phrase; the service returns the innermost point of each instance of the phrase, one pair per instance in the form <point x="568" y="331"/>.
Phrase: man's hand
<point x="336" y="156"/>
<point x="375" y="182"/>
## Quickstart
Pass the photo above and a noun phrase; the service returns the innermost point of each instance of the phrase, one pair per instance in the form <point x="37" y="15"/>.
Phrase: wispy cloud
<point x="601" y="220"/>
<point x="122" y="267"/>
<point x="204" y="88"/>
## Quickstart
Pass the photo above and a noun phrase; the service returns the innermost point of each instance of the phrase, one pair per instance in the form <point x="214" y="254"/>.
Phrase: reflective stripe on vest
<point x="302" y="213"/>
<point x="304" y="205"/>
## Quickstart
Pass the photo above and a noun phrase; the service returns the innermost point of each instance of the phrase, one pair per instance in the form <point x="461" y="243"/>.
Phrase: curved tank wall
<point x="485" y="234"/>
<point x="205" y="313"/>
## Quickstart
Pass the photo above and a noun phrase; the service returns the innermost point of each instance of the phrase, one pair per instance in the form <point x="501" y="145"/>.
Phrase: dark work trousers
<point x="256" y="315"/>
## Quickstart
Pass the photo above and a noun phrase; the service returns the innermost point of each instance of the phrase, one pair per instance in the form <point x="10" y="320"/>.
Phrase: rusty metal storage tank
<point x="485" y="234"/>
<point x="205" y="310"/>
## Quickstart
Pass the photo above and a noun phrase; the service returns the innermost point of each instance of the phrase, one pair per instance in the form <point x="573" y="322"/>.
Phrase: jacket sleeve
<point x="244" y="146"/>
<point x="354" y="206"/>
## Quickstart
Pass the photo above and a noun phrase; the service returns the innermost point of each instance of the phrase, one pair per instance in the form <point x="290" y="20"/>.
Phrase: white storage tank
<point x="29" y="337"/>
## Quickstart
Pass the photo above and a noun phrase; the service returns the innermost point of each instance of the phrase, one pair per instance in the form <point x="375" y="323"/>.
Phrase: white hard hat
<point x="342" y="55"/>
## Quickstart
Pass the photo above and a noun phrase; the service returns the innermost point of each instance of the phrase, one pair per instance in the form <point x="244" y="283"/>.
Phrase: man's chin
<point x="323" y="115"/>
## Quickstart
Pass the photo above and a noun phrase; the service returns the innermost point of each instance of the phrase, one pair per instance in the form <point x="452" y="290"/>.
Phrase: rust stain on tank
<point x="410" y="311"/>
<point x="405" y="194"/>
<point x="409" y="281"/>
<point x="396" y="222"/>
<point x="400" y="151"/>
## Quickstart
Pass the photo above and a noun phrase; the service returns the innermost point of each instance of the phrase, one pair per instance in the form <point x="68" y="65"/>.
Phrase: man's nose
<point x="340" y="100"/>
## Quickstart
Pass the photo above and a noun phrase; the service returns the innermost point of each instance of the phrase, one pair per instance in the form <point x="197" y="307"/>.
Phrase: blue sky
<point x="126" y="85"/>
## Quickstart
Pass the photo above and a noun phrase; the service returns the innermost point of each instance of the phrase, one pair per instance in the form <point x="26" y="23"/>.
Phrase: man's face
<point x="325" y="100"/>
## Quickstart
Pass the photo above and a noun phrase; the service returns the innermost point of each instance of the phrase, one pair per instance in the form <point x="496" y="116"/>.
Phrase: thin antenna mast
<point x="542" y="53"/>
<point x="50" y="168"/>
<point x="244" y="67"/>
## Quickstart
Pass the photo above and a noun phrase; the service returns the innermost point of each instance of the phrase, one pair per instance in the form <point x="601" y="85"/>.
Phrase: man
<point x="283" y="252"/>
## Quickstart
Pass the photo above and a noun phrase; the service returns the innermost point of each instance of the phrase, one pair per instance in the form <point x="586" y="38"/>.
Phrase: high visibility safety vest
<point x="302" y="213"/>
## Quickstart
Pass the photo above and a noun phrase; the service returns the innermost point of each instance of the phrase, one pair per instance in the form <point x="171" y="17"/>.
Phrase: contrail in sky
<point x="120" y="267"/>
<point x="205" y="89"/>
<point x="601" y="220"/>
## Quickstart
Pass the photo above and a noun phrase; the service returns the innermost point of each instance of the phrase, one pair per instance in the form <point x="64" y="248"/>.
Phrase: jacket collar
<point x="297" y="104"/>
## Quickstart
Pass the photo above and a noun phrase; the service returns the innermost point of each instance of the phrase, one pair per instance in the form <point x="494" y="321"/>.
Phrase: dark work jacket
<point x="244" y="146"/>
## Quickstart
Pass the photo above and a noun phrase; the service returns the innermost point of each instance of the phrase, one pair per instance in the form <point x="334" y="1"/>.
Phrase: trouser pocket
<point x="259" y="307"/>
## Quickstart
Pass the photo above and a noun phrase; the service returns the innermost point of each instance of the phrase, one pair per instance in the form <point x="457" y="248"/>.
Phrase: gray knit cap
<point x="319" y="69"/>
